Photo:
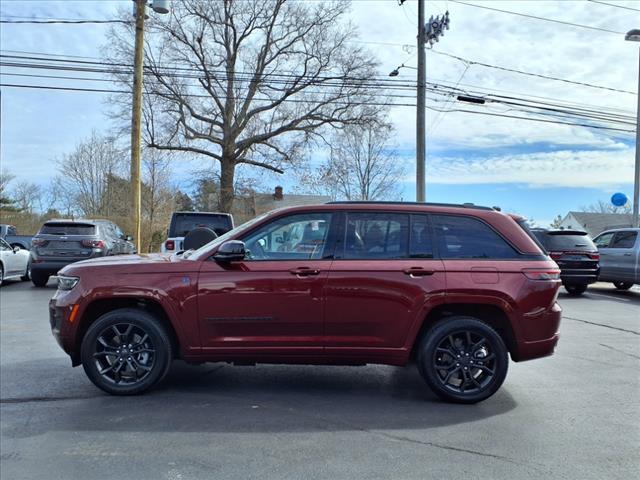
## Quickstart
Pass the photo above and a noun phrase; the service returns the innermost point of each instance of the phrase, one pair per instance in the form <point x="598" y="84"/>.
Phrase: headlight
<point x="67" y="283"/>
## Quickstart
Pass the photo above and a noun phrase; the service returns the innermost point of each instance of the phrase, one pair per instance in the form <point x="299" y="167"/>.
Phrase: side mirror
<point x="230" y="251"/>
<point x="16" y="249"/>
<point x="128" y="238"/>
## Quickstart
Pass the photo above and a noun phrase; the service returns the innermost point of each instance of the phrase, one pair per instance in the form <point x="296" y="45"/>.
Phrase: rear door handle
<point x="418" y="272"/>
<point x="304" y="271"/>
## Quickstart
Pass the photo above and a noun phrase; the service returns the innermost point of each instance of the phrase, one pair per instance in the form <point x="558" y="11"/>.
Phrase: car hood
<point x="136" y="263"/>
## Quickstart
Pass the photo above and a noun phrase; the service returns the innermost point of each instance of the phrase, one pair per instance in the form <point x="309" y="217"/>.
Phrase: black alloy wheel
<point x="126" y="352"/>
<point x="463" y="360"/>
<point x="623" y="285"/>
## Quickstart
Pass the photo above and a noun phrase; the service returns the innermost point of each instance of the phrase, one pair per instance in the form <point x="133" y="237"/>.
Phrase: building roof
<point x="595" y="223"/>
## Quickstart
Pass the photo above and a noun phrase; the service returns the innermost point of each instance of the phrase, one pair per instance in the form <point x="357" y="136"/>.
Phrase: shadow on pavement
<point x="223" y="398"/>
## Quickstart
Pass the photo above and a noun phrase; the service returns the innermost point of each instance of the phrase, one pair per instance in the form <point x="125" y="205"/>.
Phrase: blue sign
<point x="619" y="199"/>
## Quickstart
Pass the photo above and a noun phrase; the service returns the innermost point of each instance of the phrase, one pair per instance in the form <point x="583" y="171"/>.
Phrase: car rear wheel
<point x="463" y="360"/>
<point x="1" y="274"/>
<point x="623" y="285"/>
<point x="575" y="290"/>
<point x="126" y="352"/>
<point x="39" y="279"/>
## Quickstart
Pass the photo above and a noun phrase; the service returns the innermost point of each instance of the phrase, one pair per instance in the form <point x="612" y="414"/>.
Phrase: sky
<point x="536" y="169"/>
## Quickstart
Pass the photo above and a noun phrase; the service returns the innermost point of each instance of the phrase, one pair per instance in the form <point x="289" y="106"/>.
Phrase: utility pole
<point x="140" y="12"/>
<point x="136" y="124"/>
<point x="421" y="108"/>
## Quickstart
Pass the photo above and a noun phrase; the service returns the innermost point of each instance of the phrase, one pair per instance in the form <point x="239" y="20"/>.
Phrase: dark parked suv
<point x="61" y="242"/>
<point x="576" y="255"/>
<point x="457" y="288"/>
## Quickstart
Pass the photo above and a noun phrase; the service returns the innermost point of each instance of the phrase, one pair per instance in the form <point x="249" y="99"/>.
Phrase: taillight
<point x="37" y="242"/>
<point x="169" y="244"/>
<point x="594" y="256"/>
<point x="541" y="274"/>
<point x="555" y="255"/>
<point x="93" y="243"/>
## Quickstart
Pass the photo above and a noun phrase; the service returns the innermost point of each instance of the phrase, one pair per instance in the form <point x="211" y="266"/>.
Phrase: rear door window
<point x="461" y="237"/>
<point x="68" y="229"/>
<point x="624" y="240"/>
<point x="420" y="245"/>
<point x="376" y="235"/>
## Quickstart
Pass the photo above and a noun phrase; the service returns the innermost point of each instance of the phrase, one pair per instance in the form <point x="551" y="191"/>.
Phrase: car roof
<point x="627" y="229"/>
<point x="71" y="220"/>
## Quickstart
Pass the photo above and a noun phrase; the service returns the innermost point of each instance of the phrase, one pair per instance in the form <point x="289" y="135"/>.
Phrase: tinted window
<point x="295" y="237"/>
<point x="604" y="240"/>
<point x="575" y="241"/>
<point x="420" y="242"/>
<point x="624" y="240"/>
<point x="376" y="235"/>
<point x="11" y="231"/>
<point x="68" y="229"/>
<point x="183" y="223"/>
<point x="466" y="237"/>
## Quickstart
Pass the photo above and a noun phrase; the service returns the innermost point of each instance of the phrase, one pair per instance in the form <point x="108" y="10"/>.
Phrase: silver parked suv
<point x="619" y="257"/>
<point x="61" y="242"/>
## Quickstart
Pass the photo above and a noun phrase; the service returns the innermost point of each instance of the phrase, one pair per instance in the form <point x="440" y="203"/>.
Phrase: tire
<point x="575" y="290"/>
<point x="39" y="279"/>
<point x="1" y="274"/>
<point x="490" y="355"/>
<point x="107" y="357"/>
<point x="27" y="275"/>
<point x="623" y="285"/>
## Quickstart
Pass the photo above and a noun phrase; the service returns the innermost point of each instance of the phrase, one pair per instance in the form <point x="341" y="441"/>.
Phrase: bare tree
<point x="363" y="165"/>
<point x="85" y="175"/>
<point x="245" y="82"/>
<point x="27" y="196"/>
<point x="5" y="179"/>
<point x="606" y="207"/>
<point x="556" y="222"/>
<point x="159" y="196"/>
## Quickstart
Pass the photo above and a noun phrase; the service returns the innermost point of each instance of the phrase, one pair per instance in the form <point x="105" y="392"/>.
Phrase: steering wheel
<point x="256" y="251"/>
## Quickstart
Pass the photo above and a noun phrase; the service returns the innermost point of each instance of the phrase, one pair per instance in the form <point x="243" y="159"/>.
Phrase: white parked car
<point x="14" y="262"/>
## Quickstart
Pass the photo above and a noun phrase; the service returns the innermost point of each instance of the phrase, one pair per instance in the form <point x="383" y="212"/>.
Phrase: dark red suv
<point x="457" y="288"/>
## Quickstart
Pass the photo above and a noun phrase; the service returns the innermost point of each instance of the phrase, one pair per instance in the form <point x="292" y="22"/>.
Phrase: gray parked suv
<point x="61" y="242"/>
<point x="619" y="257"/>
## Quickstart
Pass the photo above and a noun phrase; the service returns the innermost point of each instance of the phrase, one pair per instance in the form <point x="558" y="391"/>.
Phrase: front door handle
<point x="418" y="272"/>
<point x="304" y="271"/>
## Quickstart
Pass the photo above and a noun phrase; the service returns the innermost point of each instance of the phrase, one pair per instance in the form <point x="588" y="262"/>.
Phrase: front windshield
<point x="202" y="252"/>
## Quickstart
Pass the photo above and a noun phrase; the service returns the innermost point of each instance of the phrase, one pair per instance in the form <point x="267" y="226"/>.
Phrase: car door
<point x="607" y="268"/>
<point x="273" y="301"/>
<point x="382" y="280"/>
<point x="622" y="255"/>
<point x="10" y="259"/>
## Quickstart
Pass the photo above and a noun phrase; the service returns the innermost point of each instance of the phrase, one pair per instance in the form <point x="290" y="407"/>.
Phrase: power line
<point x="531" y="74"/>
<point x="614" y="5"/>
<point x="586" y="125"/>
<point x="63" y="22"/>
<point x="546" y="19"/>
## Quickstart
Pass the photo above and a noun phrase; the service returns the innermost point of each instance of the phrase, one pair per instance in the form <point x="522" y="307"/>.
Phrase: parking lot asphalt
<point x="575" y="415"/>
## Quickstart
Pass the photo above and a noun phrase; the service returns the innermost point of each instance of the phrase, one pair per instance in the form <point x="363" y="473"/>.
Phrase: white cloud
<point x="593" y="168"/>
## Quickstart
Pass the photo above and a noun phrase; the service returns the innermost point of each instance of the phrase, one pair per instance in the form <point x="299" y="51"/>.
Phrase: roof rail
<point x="427" y="204"/>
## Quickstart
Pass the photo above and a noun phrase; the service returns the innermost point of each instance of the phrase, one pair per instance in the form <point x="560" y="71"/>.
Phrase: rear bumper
<point x="547" y="326"/>
<point x="50" y="268"/>
<point x="579" y="277"/>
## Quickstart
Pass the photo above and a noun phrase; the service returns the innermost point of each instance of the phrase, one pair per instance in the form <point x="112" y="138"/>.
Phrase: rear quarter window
<point x="67" y="229"/>
<point x="462" y="237"/>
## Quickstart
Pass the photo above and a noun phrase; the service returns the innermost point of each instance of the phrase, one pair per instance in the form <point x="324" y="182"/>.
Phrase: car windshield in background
<point x="68" y="229"/>
<point x="566" y="241"/>
<point x="183" y="224"/>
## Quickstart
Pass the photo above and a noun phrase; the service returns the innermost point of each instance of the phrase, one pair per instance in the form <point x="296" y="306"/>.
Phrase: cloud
<point x="564" y="168"/>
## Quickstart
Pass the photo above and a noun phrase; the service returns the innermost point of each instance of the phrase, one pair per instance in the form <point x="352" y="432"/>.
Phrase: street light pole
<point x="421" y="107"/>
<point x="634" y="36"/>
<point x="136" y="124"/>
<point x="140" y="12"/>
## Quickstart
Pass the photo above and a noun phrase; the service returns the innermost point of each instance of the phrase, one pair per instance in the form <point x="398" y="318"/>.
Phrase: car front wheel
<point x="126" y="352"/>
<point x="623" y="285"/>
<point x="463" y="360"/>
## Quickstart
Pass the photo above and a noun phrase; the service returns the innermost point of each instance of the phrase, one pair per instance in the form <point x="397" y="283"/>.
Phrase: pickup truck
<point x="619" y="257"/>
<point x="10" y="235"/>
